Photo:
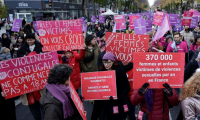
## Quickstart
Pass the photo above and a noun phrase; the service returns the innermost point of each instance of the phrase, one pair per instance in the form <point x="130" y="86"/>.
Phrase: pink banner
<point x="158" y="18"/>
<point x="120" y="22"/>
<point x="131" y="20"/>
<point x="187" y="18"/>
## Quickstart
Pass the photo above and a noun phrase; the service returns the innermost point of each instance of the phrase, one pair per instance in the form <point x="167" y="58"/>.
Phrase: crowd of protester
<point x="54" y="102"/>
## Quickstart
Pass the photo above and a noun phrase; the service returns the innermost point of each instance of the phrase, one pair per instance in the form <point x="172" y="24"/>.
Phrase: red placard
<point x="120" y="22"/>
<point x="77" y="101"/>
<point x="123" y="45"/>
<point x="131" y="20"/>
<point x="158" y="18"/>
<point x="98" y="85"/>
<point x="61" y="35"/>
<point x="187" y="18"/>
<point x="26" y="74"/>
<point x="158" y="68"/>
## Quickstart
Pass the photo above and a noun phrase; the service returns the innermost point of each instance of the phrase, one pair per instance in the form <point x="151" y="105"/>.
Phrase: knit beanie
<point x="109" y="56"/>
<point x="167" y="37"/>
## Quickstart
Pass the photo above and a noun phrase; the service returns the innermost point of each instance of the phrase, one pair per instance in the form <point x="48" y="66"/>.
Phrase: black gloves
<point x="168" y="90"/>
<point x="143" y="89"/>
<point x="111" y="98"/>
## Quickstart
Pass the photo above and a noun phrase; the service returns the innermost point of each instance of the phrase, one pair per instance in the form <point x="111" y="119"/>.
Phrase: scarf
<point x="65" y="59"/>
<point x="178" y="43"/>
<point x="62" y="93"/>
<point x="149" y="99"/>
<point x="197" y="43"/>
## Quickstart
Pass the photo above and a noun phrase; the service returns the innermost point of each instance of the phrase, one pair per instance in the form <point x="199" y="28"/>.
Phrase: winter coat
<point x="190" y="69"/>
<point x="5" y="53"/>
<point x="159" y="101"/>
<point x="7" y="26"/>
<point x="53" y="108"/>
<point x="188" y="36"/>
<point x="24" y="49"/>
<point x="195" y="33"/>
<point x="90" y="66"/>
<point x="5" y="42"/>
<point x="191" y="107"/>
<point x="101" y="107"/>
<point x="100" y="57"/>
<point x="74" y="60"/>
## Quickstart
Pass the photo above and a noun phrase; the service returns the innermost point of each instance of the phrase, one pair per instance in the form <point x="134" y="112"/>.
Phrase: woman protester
<point x="190" y="97"/>
<point x="20" y="41"/>
<point x="5" y="41"/>
<point x="103" y="109"/>
<point x="195" y="44"/>
<point x="155" y="103"/>
<point x="56" y="99"/>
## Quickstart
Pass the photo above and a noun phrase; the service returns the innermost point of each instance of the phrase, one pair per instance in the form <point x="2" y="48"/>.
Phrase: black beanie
<point x="88" y="39"/>
<point x="30" y="35"/>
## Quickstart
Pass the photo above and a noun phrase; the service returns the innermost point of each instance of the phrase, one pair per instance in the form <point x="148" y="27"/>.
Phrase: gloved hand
<point x="168" y="90"/>
<point x="111" y="98"/>
<point x="143" y="89"/>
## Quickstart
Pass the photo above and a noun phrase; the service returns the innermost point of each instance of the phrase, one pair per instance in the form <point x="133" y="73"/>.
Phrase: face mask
<point x="15" y="48"/>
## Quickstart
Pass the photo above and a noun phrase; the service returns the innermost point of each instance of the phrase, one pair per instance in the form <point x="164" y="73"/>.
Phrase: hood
<point x="47" y="98"/>
<point x="4" y="50"/>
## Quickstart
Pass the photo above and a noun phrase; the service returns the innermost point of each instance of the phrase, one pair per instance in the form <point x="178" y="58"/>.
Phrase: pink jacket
<point x="191" y="107"/>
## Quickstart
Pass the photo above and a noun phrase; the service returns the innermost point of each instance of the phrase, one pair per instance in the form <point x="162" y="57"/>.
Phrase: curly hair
<point x="191" y="87"/>
<point x="59" y="74"/>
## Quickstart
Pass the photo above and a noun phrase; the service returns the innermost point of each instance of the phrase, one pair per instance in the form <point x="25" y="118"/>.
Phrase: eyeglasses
<point x="105" y="62"/>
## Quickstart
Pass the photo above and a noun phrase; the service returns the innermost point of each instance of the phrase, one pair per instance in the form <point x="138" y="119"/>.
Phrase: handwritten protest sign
<point x="16" y="25"/>
<point x="60" y="35"/>
<point x="173" y="19"/>
<point x="26" y="74"/>
<point x="131" y="20"/>
<point x="98" y="85"/>
<point x="124" y="45"/>
<point x="140" y="26"/>
<point x="194" y="22"/>
<point x="77" y="101"/>
<point x="187" y="18"/>
<point x="178" y="27"/>
<point x="120" y="22"/>
<point x="158" y="18"/>
<point x="158" y="68"/>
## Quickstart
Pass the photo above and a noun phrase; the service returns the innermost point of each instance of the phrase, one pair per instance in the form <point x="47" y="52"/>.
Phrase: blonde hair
<point x="191" y="87"/>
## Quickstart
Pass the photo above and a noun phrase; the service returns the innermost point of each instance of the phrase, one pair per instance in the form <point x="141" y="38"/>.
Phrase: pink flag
<point x="165" y="26"/>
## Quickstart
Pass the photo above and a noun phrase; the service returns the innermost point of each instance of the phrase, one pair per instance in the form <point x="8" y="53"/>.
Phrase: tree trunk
<point x="83" y="7"/>
<point x="181" y="6"/>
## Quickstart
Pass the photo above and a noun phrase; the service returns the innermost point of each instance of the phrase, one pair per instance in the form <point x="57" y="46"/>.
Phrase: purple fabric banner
<point x="173" y="19"/>
<point x="178" y="27"/>
<point x="194" y="22"/>
<point x="16" y="25"/>
<point x="93" y="18"/>
<point x="101" y="19"/>
<point x="84" y="27"/>
<point x="139" y="26"/>
<point x="35" y="26"/>
<point x="148" y="24"/>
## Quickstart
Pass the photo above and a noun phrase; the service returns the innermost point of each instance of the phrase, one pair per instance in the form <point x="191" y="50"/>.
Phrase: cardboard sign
<point x="61" y="35"/>
<point x="101" y="19"/>
<point x="26" y="74"/>
<point x="194" y="22"/>
<point x="16" y="25"/>
<point x="98" y="85"/>
<point x="157" y="69"/>
<point x="131" y="20"/>
<point x="124" y="45"/>
<point x="140" y="26"/>
<point x="158" y="18"/>
<point x="120" y="22"/>
<point x="187" y="18"/>
<point x="173" y="19"/>
<point x="148" y="25"/>
<point x="77" y="101"/>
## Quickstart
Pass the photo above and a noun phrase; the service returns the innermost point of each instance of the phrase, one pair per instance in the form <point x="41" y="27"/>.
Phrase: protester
<point x="89" y="62"/>
<point x="190" y="97"/>
<point x="155" y="103"/>
<point x="196" y="31"/>
<point x="72" y="59"/>
<point x="157" y="45"/>
<point x="195" y="44"/>
<point x="28" y="29"/>
<point x="103" y="109"/>
<point x="168" y="40"/>
<point x="8" y="28"/>
<point x="30" y="45"/>
<point x="98" y="31"/>
<point x="23" y="22"/>
<point x="188" y="35"/>
<point x="5" y="41"/>
<point x="4" y="53"/>
<point x="129" y="31"/>
<point x="56" y="99"/>
<point x="101" y="42"/>
<point x="20" y="41"/>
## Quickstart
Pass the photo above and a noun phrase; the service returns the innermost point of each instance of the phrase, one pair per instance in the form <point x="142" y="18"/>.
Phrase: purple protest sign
<point x="101" y="19"/>
<point x="35" y="26"/>
<point x="148" y="24"/>
<point x="179" y="21"/>
<point x="194" y="22"/>
<point x="178" y="27"/>
<point x="82" y="20"/>
<point x="16" y="25"/>
<point x="173" y="19"/>
<point x="84" y="27"/>
<point x="93" y="18"/>
<point x="139" y="26"/>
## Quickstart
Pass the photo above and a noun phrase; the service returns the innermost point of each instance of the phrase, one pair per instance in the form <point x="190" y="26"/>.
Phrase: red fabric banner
<point x="158" y="68"/>
<point x="124" y="45"/>
<point x="61" y="35"/>
<point x="98" y="85"/>
<point x="77" y="101"/>
<point x="26" y="74"/>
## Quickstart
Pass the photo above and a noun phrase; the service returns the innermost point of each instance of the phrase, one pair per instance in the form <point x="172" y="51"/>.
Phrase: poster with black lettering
<point x="123" y="45"/>
<point x="157" y="69"/>
<point x="61" y="35"/>
<point x="26" y="74"/>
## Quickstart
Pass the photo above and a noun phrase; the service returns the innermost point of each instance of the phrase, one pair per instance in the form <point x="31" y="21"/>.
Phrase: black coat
<point x="100" y="57"/>
<point x="24" y="49"/>
<point x="6" y="42"/>
<point x="190" y="69"/>
<point x="103" y="108"/>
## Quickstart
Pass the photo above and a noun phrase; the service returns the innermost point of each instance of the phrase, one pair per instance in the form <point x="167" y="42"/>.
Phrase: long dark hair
<point x="22" y="37"/>
<point x="114" y="66"/>
<point x="194" y="43"/>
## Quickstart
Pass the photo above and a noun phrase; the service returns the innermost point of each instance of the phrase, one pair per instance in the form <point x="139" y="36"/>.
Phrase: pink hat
<point x="109" y="56"/>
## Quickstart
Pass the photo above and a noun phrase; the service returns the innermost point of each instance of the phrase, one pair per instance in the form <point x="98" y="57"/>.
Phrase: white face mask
<point x="15" y="48"/>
